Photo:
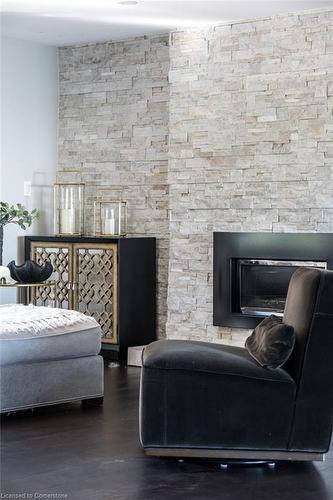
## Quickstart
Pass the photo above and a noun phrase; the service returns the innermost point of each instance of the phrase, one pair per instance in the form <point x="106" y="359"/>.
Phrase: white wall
<point x="29" y="108"/>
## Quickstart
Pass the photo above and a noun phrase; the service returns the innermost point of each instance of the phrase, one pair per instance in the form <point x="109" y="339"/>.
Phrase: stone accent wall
<point x="251" y="147"/>
<point x="113" y="126"/>
<point x="248" y="112"/>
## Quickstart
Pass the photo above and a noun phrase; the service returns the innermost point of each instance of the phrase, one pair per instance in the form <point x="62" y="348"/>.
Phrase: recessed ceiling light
<point x="128" y="2"/>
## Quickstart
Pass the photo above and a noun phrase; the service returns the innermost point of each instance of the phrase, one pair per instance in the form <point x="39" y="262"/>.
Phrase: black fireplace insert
<point x="252" y="272"/>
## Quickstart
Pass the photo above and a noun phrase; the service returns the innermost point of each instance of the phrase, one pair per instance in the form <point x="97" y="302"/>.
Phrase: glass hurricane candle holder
<point x="110" y="218"/>
<point x="68" y="209"/>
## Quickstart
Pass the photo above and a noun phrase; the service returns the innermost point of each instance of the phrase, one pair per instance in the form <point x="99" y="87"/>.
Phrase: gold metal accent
<point x="61" y="257"/>
<point x="86" y="275"/>
<point x="95" y="282"/>
<point x="122" y="217"/>
<point x="65" y="183"/>
<point x="78" y="173"/>
<point x="18" y="284"/>
<point x="78" y="208"/>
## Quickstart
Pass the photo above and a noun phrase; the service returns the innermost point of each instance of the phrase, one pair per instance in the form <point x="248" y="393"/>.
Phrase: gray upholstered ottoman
<point x="48" y="356"/>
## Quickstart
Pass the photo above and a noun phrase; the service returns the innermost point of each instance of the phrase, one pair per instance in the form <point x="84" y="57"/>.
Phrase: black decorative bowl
<point x="30" y="271"/>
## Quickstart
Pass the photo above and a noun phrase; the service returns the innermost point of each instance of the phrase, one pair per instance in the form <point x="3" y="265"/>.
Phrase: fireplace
<point x="252" y="272"/>
<point x="262" y="285"/>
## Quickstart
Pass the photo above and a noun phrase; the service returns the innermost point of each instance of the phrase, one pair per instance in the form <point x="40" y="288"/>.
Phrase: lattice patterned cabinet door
<point x="60" y="256"/>
<point x="95" y="285"/>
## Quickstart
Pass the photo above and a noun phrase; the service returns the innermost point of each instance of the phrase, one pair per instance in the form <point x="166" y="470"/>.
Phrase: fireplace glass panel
<point x="263" y="284"/>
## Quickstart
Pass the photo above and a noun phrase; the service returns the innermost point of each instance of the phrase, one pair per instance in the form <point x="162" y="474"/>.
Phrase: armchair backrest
<point x="309" y="309"/>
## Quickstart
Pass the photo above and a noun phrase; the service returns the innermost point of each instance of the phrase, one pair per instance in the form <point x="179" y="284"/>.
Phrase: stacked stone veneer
<point x="251" y="148"/>
<point x="248" y="111"/>
<point x="113" y="126"/>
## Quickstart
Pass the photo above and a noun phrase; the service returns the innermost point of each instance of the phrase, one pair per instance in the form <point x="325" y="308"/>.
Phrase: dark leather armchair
<point x="212" y="400"/>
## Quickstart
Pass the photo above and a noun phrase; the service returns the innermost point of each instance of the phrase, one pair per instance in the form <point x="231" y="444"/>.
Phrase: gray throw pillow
<point x="271" y="342"/>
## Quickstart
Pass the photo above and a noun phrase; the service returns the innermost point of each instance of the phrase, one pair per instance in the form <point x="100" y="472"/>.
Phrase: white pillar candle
<point x="109" y="221"/>
<point x="109" y="226"/>
<point x="67" y="220"/>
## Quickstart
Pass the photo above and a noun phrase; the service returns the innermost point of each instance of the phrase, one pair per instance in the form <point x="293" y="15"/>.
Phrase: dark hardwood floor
<point x="95" y="454"/>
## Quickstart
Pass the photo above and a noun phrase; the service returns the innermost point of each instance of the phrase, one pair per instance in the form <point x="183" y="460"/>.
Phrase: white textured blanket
<point x="19" y="321"/>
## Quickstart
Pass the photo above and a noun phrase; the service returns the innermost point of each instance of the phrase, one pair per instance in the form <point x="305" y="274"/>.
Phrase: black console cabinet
<point x="112" y="279"/>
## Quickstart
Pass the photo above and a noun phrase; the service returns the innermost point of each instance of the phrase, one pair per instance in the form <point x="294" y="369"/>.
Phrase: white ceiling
<point x="65" y="22"/>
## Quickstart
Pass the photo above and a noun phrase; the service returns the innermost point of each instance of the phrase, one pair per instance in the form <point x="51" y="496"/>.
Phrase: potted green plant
<point x="14" y="214"/>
